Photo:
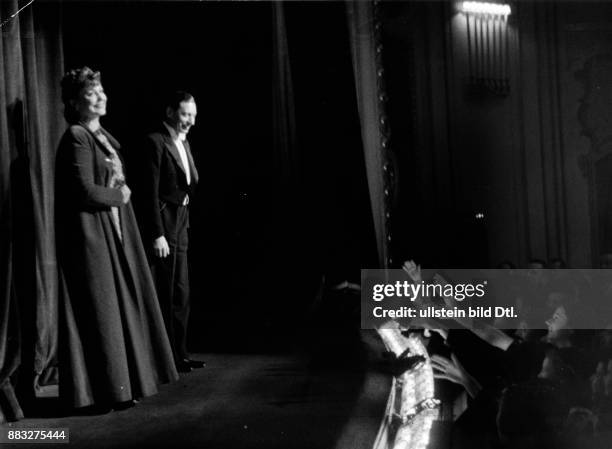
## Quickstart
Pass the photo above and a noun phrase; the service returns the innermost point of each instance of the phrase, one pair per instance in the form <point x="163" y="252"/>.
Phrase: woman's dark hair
<point x="72" y="83"/>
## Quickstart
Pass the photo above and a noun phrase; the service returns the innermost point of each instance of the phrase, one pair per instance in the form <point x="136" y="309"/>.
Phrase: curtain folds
<point x="361" y="28"/>
<point x="30" y="125"/>
<point x="283" y="107"/>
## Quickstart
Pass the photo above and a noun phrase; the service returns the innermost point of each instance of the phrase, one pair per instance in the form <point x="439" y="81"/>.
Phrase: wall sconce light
<point x="487" y="35"/>
<point x="494" y="9"/>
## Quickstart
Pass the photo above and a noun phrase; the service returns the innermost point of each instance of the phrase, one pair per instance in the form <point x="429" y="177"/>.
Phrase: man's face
<point x="183" y="118"/>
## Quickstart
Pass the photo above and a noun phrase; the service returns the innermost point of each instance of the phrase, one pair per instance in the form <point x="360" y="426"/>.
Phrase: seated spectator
<point x="532" y="414"/>
<point x="505" y="265"/>
<point x="605" y="261"/>
<point x="557" y="264"/>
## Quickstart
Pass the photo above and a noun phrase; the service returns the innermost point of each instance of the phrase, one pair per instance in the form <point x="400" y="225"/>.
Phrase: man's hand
<point x="126" y="193"/>
<point x="160" y="247"/>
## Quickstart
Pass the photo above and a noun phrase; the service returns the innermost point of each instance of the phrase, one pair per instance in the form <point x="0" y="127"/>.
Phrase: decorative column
<point x="367" y="50"/>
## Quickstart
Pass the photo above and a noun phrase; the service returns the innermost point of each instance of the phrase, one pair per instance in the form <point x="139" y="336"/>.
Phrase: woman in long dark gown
<point x="113" y="344"/>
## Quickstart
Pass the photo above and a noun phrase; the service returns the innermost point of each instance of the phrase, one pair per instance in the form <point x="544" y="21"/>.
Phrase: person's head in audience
<point x="564" y="311"/>
<point x="605" y="341"/>
<point x="506" y="265"/>
<point x="561" y="292"/>
<point x="555" y="368"/>
<point x="536" y="264"/>
<point x="523" y="310"/>
<point x="535" y="272"/>
<point x="570" y="370"/>
<point x="605" y="261"/>
<point x="526" y="330"/>
<point x="522" y="330"/>
<point x="557" y="264"/>
<point x="531" y="415"/>
<point x="559" y="332"/>
<point x="83" y="95"/>
<point x="580" y="428"/>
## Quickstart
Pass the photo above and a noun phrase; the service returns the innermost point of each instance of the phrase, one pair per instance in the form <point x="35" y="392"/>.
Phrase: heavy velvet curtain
<point x="31" y="121"/>
<point x="283" y="106"/>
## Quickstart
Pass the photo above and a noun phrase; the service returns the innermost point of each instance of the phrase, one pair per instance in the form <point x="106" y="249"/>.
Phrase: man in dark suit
<point x="167" y="181"/>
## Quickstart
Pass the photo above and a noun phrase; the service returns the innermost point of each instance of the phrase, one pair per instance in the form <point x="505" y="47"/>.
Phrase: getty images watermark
<point x="426" y="293"/>
<point x="507" y="299"/>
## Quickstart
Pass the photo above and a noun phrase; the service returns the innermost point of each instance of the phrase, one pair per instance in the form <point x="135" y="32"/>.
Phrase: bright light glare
<point x="496" y="9"/>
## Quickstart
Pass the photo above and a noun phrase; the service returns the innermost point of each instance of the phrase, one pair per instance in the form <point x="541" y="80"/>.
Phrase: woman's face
<point x="557" y="322"/>
<point x="91" y="102"/>
<point x="522" y="331"/>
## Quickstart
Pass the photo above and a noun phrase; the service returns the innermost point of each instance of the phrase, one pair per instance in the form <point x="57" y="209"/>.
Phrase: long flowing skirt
<point x="113" y="342"/>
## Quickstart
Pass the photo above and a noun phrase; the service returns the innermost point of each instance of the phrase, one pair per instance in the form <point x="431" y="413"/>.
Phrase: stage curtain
<point x="361" y="28"/>
<point x="31" y="121"/>
<point x="285" y="138"/>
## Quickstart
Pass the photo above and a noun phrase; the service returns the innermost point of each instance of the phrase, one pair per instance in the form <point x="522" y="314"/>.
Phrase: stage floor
<point x="239" y="401"/>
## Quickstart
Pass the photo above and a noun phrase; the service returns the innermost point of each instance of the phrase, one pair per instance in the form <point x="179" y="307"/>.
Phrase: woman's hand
<point x="438" y="279"/>
<point x="413" y="270"/>
<point x="126" y="193"/>
<point x="453" y="371"/>
<point x="449" y="369"/>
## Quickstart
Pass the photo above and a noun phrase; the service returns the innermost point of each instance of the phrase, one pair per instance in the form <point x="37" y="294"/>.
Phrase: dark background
<point x="258" y="245"/>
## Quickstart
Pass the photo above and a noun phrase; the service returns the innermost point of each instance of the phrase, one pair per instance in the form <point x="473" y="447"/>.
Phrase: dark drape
<point x="30" y="122"/>
<point x="283" y="107"/>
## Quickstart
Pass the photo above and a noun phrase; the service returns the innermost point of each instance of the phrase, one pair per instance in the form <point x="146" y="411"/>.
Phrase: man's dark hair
<point x="174" y="99"/>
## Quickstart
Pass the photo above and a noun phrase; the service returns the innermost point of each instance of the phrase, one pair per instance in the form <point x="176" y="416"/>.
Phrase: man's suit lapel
<point x="169" y="144"/>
